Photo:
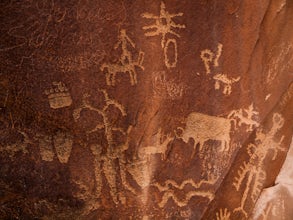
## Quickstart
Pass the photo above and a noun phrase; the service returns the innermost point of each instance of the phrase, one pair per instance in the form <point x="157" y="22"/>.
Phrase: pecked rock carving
<point x="253" y="169"/>
<point x="222" y="79"/>
<point x="164" y="24"/>
<point x="126" y="63"/>
<point x="208" y="57"/>
<point x="60" y="144"/>
<point x="58" y="96"/>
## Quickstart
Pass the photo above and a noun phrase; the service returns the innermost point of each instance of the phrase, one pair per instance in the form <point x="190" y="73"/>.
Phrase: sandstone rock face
<point x="145" y="109"/>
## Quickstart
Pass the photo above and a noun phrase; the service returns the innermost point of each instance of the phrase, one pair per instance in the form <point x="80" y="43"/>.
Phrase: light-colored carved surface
<point x="144" y="109"/>
<point x="251" y="173"/>
<point x="275" y="202"/>
<point x="202" y="128"/>
<point x="223" y="214"/>
<point x="159" y="146"/>
<point x="164" y="24"/>
<point x="210" y="58"/>
<point x="59" y="144"/>
<point x="222" y="81"/>
<point x="58" y="96"/>
<point x="126" y="63"/>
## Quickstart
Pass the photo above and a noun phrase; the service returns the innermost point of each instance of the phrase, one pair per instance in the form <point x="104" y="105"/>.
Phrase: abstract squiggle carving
<point x="184" y="202"/>
<point x="181" y="186"/>
<point x="169" y="193"/>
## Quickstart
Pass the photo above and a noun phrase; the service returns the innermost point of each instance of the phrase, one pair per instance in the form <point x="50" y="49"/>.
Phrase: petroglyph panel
<point x="99" y="88"/>
<point x="164" y="25"/>
<point x="58" y="96"/>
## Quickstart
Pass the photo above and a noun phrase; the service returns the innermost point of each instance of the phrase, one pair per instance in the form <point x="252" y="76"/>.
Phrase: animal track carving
<point x="59" y="144"/>
<point x="223" y="214"/>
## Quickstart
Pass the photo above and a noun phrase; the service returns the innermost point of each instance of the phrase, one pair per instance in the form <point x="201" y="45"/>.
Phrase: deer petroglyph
<point x="159" y="147"/>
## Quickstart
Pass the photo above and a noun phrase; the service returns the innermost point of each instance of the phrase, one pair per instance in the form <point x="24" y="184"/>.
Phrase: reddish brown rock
<point x="142" y="109"/>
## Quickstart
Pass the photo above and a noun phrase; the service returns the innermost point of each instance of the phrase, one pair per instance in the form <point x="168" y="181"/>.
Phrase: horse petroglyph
<point x="126" y="63"/>
<point x="222" y="79"/>
<point x="58" y="96"/>
<point x="164" y="25"/>
<point x="208" y="57"/>
<point x="251" y="173"/>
